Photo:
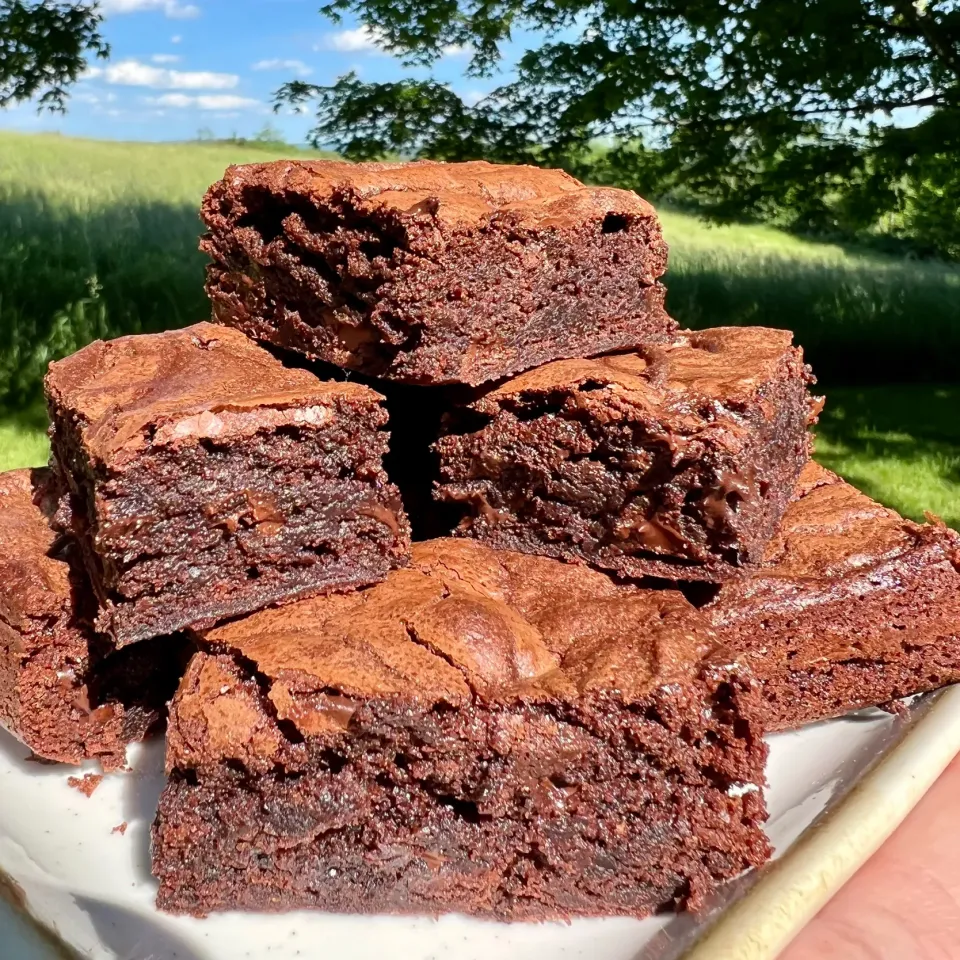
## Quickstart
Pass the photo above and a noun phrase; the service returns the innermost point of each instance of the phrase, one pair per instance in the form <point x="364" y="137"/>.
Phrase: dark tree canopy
<point x="752" y="106"/>
<point x="44" y="48"/>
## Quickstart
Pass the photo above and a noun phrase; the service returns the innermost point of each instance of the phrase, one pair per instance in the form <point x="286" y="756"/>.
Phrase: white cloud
<point x="472" y="97"/>
<point x="370" y="40"/>
<point x="172" y="100"/>
<point x="297" y="66"/>
<point x="176" y="38"/>
<point x="215" y="101"/>
<point x="132" y="73"/>
<point x="166" y="58"/>
<point x="350" y="41"/>
<point x="173" y="9"/>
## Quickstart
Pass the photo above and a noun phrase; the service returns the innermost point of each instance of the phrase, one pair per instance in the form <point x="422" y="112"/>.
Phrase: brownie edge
<point x="853" y="606"/>
<point x="432" y="273"/>
<point x="208" y="480"/>
<point x="64" y="692"/>
<point x="484" y="732"/>
<point x="676" y="460"/>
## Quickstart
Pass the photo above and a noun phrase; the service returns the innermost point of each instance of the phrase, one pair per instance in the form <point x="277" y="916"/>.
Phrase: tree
<point x="44" y="48"/>
<point x="753" y="106"/>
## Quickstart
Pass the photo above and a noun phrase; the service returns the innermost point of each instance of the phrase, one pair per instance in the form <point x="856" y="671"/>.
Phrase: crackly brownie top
<point x="454" y="194"/>
<point x="832" y="534"/>
<point x="466" y="621"/>
<point x="203" y="381"/>
<point x="34" y="580"/>
<point x="727" y="364"/>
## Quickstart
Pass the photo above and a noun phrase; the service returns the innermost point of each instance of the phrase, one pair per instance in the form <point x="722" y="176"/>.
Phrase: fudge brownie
<point x="484" y="732"/>
<point x="853" y="606"/>
<point x="676" y="460"/>
<point x="63" y="691"/>
<point x="209" y="481"/>
<point x="432" y="272"/>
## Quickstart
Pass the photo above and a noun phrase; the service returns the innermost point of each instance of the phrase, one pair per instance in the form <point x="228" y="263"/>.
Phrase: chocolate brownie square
<point x="210" y="481"/>
<point x="429" y="272"/>
<point x="484" y="732"/>
<point x="853" y="606"/>
<point x="676" y="460"/>
<point x="63" y="691"/>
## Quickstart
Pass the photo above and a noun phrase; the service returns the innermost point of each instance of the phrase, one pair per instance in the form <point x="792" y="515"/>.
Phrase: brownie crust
<point x="853" y="606"/>
<point x="432" y="273"/>
<point x="484" y="732"/>
<point x="675" y="461"/>
<point x="63" y="691"/>
<point x="208" y="480"/>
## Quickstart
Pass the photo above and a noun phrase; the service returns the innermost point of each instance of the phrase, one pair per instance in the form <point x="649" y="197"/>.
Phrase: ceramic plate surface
<point x="836" y="791"/>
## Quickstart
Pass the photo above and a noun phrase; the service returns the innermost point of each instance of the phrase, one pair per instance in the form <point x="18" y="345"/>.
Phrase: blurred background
<point x="805" y="159"/>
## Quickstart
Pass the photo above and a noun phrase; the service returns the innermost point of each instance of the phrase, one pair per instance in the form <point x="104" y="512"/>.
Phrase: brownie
<point x="432" y="273"/>
<point x="676" y="460"/>
<point x="63" y="691"/>
<point x="209" y="481"/>
<point x="853" y="606"/>
<point x="484" y="732"/>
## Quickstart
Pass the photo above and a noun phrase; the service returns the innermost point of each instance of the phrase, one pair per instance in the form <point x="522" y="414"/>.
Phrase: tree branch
<point x="948" y="55"/>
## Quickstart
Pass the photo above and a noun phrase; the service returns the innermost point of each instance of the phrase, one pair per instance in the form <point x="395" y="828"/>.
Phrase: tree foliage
<point x="771" y="108"/>
<point x="44" y="48"/>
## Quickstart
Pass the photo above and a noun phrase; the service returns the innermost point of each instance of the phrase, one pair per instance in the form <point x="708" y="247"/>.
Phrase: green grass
<point x="98" y="239"/>
<point x="23" y="440"/>
<point x="860" y="317"/>
<point x="900" y="445"/>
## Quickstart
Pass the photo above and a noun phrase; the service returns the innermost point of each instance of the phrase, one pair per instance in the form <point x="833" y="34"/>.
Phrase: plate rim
<point x="790" y="890"/>
<point x="793" y="888"/>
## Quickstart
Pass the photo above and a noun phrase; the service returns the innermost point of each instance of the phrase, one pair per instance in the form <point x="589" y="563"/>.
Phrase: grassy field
<point x="98" y="239"/>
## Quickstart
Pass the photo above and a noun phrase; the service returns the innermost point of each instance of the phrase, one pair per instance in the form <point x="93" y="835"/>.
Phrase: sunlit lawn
<point x="23" y="441"/>
<point x="98" y="239"/>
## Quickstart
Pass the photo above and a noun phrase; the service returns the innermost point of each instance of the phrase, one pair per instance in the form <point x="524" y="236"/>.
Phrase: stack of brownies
<point x="557" y="707"/>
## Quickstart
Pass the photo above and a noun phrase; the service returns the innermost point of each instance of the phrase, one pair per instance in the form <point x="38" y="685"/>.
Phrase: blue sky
<point x="181" y="66"/>
<point x="178" y="66"/>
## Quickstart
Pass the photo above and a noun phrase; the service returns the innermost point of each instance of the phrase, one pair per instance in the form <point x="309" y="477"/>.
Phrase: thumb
<point x="904" y="903"/>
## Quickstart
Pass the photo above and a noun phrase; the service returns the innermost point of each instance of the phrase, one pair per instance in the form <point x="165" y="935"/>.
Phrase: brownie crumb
<point x="896" y="708"/>
<point x="120" y="828"/>
<point x="86" y="784"/>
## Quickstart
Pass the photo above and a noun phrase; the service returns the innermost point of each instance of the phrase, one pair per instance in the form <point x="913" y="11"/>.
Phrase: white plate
<point x="91" y="887"/>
